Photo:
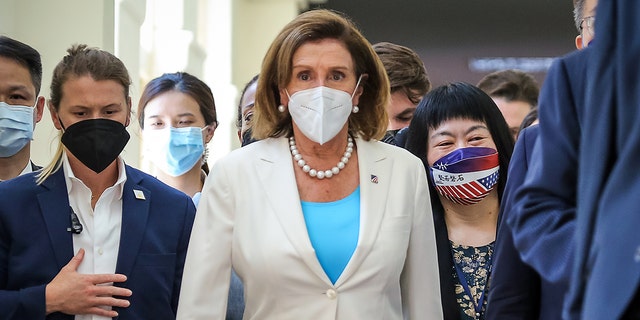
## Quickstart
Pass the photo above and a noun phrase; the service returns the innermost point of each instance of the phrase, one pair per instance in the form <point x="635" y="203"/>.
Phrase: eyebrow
<point x="447" y="133"/>
<point x="406" y="112"/>
<point x="186" y="114"/>
<point x="19" y="87"/>
<point x="306" y="66"/>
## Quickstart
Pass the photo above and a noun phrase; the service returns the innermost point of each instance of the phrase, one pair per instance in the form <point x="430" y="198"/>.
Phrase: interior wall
<point x="52" y="28"/>
<point x="449" y="34"/>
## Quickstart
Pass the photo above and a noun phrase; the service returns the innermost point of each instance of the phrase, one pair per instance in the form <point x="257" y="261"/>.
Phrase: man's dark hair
<point x="24" y="55"/>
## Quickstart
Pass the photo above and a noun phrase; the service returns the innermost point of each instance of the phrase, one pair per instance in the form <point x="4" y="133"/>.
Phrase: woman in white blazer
<point x="319" y="219"/>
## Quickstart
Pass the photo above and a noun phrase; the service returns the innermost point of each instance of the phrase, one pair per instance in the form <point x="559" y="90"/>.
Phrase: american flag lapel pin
<point x="374" y="179"/>
<point x="139" y="194"/>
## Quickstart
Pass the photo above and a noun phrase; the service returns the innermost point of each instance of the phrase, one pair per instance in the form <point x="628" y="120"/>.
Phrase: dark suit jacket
<point x="515" y="287"/>
<point x="607" y="273"/>
<point x="35" y="167"/>
<point x="35" y="244"/>
<point x="517" y="291"/>
<point x="543" y="220"/>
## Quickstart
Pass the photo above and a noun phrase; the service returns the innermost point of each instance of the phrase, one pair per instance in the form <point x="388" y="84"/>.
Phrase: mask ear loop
<point x="356" y="88"/>
<point x="61" y="124"/>
<point x="355" y="108"/>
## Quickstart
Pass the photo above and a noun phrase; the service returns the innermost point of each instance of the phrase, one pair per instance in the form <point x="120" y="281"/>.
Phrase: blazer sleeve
<point x="25" y="303"/>
<point x="205" y="284"/>
<point x="420" y="283"/>
<point x="182" y="252"/>
<point x="515" y="286"/>
<point x="543" y="219"/>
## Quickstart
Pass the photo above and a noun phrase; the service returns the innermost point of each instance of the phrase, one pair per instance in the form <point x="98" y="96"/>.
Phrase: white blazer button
<point x="331" y="294"/>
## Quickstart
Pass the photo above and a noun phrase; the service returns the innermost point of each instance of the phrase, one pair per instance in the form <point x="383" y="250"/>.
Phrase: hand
<point x="73" y="293"/>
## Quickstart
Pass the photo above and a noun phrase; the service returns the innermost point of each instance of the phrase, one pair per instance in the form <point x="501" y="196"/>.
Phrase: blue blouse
<point x="333" y="229"/>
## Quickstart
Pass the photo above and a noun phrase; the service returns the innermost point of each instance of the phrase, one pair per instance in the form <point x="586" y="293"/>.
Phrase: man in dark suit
<point x="606" y="276"/>
<point x="20" y="106"/>
<point x="541" y="216"/>
<point x="90" y="237"/>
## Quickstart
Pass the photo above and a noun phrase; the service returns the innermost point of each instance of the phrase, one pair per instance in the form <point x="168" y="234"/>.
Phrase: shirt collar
<point x="70" y="178"/>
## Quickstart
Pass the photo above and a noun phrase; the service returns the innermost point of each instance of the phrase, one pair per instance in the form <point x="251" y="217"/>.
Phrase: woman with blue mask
<point x="465" y="145"/>
<point x="177" y="114"/>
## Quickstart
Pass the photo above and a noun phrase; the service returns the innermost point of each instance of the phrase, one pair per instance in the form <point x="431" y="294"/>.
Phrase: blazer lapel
<point x="135" y="211"/>
<point x="375" y="178"/>
<point x="274" y="169"/>
<point x="56" y="212"/>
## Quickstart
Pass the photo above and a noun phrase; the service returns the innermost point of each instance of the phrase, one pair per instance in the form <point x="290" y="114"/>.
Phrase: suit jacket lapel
<point x="135" y="213"/>
<point x="56" y="212"/>
<point x="375" y="179"/>
<point x="274" y="169"/>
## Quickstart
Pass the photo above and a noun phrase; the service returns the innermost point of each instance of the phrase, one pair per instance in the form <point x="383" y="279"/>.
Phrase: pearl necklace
<point x="320" y="174"/>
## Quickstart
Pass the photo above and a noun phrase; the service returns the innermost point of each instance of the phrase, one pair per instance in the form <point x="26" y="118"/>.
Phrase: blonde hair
<point x="372" y="120"/>
<point x="81" y="61"/>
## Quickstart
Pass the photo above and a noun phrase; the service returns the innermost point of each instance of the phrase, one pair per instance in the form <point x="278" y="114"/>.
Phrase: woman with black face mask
<point x="89" y="234"/>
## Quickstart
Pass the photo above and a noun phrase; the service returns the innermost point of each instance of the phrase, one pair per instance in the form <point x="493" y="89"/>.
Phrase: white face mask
<point x="321" y="112"/>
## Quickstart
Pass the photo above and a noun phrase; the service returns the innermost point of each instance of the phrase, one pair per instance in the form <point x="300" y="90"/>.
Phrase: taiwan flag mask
<point x="466" y="175"/>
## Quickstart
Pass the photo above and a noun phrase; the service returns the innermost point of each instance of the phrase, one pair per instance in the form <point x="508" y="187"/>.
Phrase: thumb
<point x="75" y="261"/>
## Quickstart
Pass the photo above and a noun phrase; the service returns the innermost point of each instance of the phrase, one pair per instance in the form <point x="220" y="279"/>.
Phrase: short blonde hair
<point x="370" y="123"/>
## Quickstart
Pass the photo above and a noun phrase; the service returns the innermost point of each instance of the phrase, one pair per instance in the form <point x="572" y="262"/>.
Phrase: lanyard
<point x="463" y="281"/>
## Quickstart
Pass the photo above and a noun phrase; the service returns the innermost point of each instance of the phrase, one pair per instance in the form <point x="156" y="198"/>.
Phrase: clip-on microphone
<point x="76" y="226"/>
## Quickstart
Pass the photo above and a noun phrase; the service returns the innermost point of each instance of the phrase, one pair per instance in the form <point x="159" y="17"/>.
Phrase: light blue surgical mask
<point x="16" y="128"/>
<point x="174" y="150"/>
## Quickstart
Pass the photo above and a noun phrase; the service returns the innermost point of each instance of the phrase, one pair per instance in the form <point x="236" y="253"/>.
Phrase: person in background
<point x="245" y="111"/>
<point x="514" y="92"/>
<point x="89" y="237"/>
<point x="605" y="279"/>
<point x="319" y="219"/>
<point x="409" y="83"/>
<point x="20" y="106"/>
<point x="542" y="215"/>
<point x="464" y="142"/>
<point x="177" y="114"/>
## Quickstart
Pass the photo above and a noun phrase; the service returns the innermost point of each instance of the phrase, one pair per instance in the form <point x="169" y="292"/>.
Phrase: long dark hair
<point x="459" y="100"/>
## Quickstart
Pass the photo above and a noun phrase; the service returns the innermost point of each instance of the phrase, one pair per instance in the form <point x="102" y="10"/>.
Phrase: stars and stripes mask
<point x="466" y="175"/>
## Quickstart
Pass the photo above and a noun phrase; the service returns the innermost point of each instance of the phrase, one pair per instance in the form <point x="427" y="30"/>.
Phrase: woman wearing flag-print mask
<point x="318" y="218"/>
<point x="465" y="145"/>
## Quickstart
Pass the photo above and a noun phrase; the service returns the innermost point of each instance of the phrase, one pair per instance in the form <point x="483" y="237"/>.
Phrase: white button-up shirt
<point x="100" y="237"/>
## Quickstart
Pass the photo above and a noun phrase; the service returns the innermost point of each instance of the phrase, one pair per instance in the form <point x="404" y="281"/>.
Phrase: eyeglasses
<point x="590" y="23"/>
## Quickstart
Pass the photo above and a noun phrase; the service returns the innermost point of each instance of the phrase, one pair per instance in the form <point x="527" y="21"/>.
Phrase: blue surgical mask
<point x="16" y="128"/>
<point x="174" y="150"/>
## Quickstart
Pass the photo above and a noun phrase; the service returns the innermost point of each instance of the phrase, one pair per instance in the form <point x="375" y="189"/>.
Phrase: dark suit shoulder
<point x="19" y="184"/>
<point x="152" y="183"/>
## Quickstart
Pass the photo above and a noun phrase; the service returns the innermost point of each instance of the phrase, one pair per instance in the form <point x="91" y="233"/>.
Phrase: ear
<point x="359" y="90"/>
<point x="208" y="133"/>
<point x="284" y="98"/>
<point x="54" y="116"/>
<point x="39" y="108"/>
<point x="126" y="124"/>
<point x="579" y="44"/>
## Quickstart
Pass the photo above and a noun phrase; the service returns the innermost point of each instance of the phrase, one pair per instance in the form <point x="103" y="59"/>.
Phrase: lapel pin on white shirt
<point x="374" y="179"/>
<point x="139" y="194"/>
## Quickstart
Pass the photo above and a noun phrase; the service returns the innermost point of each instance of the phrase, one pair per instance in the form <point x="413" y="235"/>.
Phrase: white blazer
<point x="250" y="218"/>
